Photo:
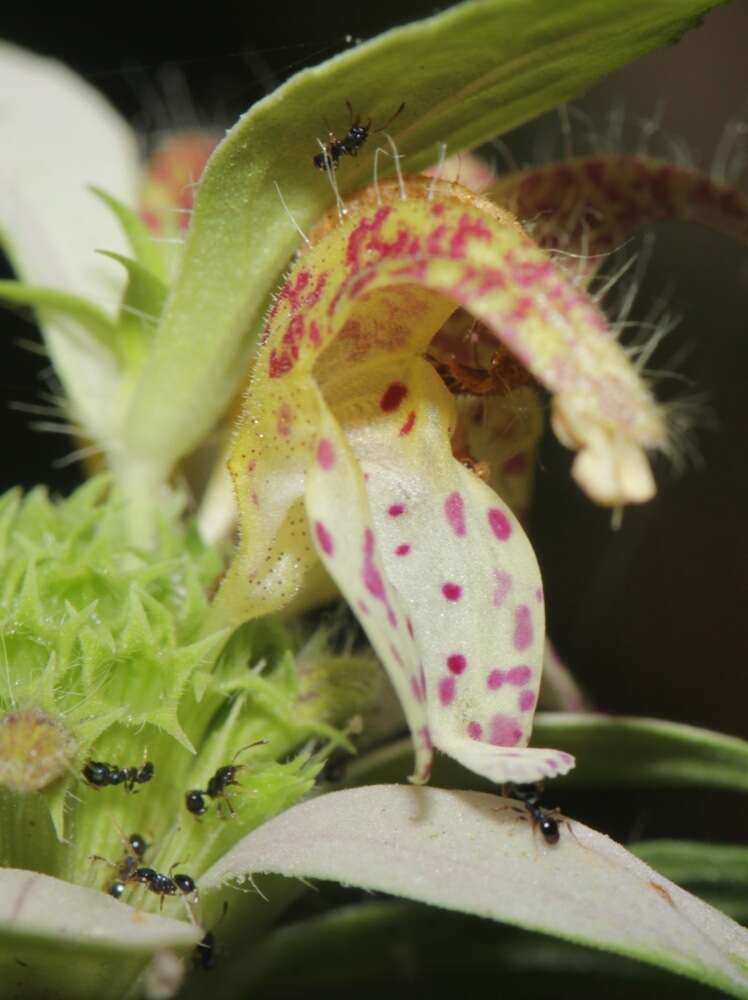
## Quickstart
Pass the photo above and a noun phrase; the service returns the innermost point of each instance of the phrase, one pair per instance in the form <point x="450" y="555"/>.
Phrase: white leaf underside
<point x="476" y="853"/>
<point x="42" y="907"/>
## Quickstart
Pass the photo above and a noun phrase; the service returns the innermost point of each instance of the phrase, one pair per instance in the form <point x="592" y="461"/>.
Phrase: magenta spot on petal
<point x="475" y="730"/>
<point x="392" y="617"/>
<point x="454" y="510"/>
<point x="500" y="524"/>
<point x="425" y="733"/>
<point x="566" y="757"/>
<point x="456" y="663"/>
<point x="396" y="655"/>
<point x="402" y="550"/>
<point x="447" y="690"/>
<point x="522" y="627"/>
<point x="324" y="538"/>
<point x="526" y="700"/>
<point x="418" y="686"/>
<point x="505" y="731"/>
<point x="519" y="675"/>
<point x="539" y="595"/>
<point x="409" y="623"/>
<point x="495" y="679"/>
<point x="553" y="764"/>
<point x="503" y="583"/>
<point x="326" y="453"/>
<point x="393" y="396"/>
<point x="396" y="509"/>
<point x="371" y="575"/>
<point x="452" y="591"/>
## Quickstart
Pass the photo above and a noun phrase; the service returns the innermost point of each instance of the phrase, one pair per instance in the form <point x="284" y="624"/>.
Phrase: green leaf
<point x="474" y="70"/>
<point x="145" y="294"/>
<point x="58" y="306"/>
<point x="397" y="943"/>
<point x="145" y="248"/>
<point x="653" y="752"/>
<point x="718" y="872"/>
<point x="61" y="940"/>
<point x="472" y="852"/>
<point x="610" y="750"/>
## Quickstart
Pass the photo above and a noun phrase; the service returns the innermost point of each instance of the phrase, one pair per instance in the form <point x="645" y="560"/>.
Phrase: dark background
<point x="652" y="618"/>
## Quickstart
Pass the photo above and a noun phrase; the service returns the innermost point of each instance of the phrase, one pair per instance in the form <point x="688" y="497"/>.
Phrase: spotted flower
<point x="344" y="456"/>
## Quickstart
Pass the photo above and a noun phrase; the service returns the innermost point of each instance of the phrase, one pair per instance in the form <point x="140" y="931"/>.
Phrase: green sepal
<point x="64" y="305"/>
<point x="148" y="254"/>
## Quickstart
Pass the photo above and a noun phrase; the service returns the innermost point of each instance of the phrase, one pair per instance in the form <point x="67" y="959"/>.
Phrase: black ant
<point x="164" y="885"/>
<point x="136" y="848"/>
<point x="351" y="142"/>
<point x="99" y="774"/>
<point x="217" y="785"/>
<point x="129" y="871"/>
<point x="529" y="796"/>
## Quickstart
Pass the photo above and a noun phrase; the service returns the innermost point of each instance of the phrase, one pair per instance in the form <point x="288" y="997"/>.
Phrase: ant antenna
<point x="288" y="212"/>
<point x="256" y="743"/>
<point x="390" y="119"/>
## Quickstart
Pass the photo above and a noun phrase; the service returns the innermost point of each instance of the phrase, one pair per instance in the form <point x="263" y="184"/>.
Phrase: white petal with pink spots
<point x="467" y="576"/>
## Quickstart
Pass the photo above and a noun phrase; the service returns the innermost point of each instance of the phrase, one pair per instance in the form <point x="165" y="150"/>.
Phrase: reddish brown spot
<point x="515" y="465"/>
<point x="393" y="396"/>
<point x="467" y="229"/>
<point x="434" y="245"/>
<point x="364" y="230"/>
<point x="595" y="171"/>
<point x="285" y="420"/>
<point x="360" y="284"/>
<point x="521" y="309"/>
<point x="279" y="364"/>
<point x="527" y="272"/>
<point x="409" y="422"/>
<point x="315" y="337"/>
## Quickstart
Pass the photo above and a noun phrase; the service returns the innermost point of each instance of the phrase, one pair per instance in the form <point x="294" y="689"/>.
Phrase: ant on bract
<point x="217" y="785"/>
<point x="99" y="775"/>
<point x="165" y="885"/>
<point x="136" y="847"/>
<point x="351" y="142"/>
<point x="529" y="796"/>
